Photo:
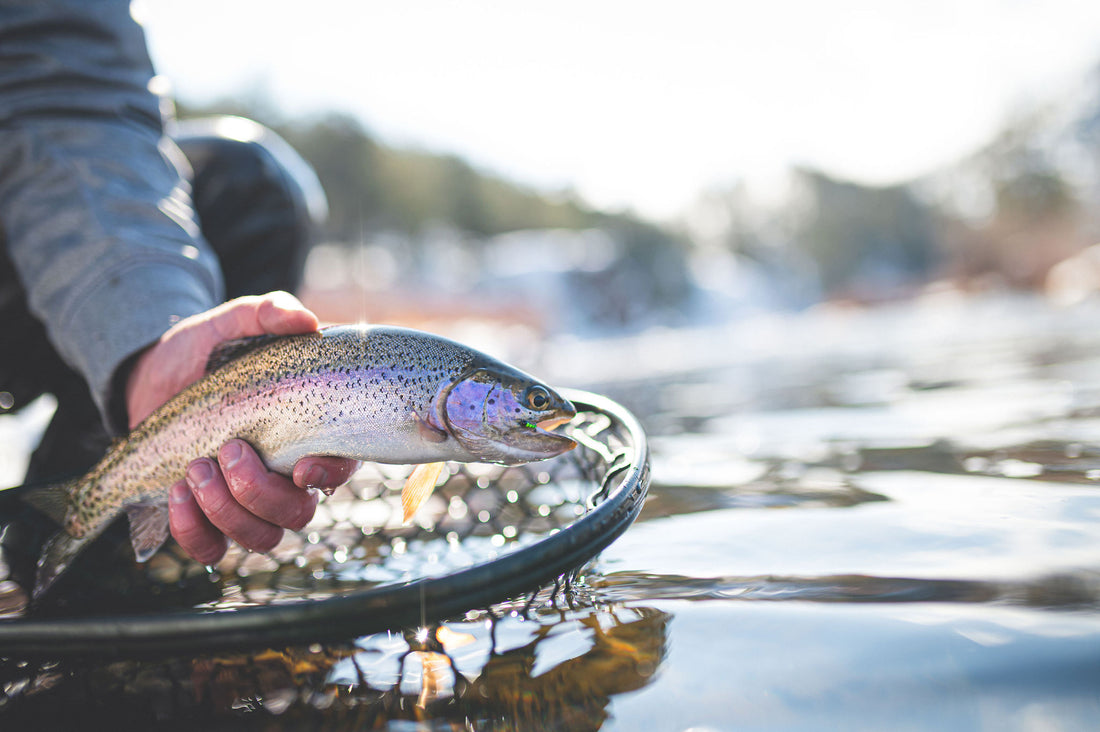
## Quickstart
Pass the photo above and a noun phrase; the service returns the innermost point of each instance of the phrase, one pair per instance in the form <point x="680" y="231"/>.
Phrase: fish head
<point x="501" y="415"/>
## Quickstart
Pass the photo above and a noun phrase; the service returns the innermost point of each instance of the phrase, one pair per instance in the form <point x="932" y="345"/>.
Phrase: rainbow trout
<point x="381" y="394"/>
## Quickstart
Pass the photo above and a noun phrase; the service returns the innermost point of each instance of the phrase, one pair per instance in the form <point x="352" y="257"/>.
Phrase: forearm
<point x="93" y="201"/>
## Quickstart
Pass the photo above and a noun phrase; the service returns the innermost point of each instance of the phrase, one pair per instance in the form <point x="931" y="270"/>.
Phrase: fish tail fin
<point x="57" y="554"/>
<point x="418" y="486"/>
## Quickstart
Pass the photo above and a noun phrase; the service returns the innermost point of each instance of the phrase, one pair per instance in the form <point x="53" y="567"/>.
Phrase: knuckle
<point x="198" y="542"/>
<point x="304" y="515"/>
<point x="262" y="540"/>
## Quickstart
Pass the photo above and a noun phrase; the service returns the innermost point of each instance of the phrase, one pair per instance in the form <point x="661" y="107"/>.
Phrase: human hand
<point x="236" y="496"/>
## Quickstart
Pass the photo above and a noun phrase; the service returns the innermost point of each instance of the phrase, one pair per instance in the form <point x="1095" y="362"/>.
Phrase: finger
<point x="190" y="527"/>
<point x="282" y="313"/>
<point x="323" y="472"/>
<point x="235" y="521"/>
<point x="269" y="496"/>
<point x="276" y="313"/>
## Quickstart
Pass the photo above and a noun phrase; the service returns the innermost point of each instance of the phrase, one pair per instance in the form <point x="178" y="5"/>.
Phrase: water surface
<point x="884" y="519"/>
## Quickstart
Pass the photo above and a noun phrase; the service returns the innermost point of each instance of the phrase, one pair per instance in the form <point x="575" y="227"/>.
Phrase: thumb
<point x="179" y="357"/>
<point x="276" y="313"/>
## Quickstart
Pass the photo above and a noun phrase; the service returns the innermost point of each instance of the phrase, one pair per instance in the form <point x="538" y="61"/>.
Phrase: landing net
<point x="489" y="534"/>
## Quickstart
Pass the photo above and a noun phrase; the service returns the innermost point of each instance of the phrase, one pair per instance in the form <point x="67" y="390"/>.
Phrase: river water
<point x="870" y="520"/>
<point x="858" y="519"/>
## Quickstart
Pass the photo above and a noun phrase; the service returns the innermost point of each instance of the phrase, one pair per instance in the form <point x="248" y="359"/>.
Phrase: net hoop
<point x="613" y="507"/>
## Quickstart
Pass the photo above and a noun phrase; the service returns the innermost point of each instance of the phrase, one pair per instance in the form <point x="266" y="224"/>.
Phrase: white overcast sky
<point x="643" y="104"/>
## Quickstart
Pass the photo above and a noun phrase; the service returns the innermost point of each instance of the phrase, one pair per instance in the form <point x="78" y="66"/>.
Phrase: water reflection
<point x="1068" y="591"/>
<point x="550" y="670"/>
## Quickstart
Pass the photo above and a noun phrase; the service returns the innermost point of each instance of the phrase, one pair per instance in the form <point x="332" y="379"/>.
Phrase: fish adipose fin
<point x="418" y="486"/>
<point x="148" y="528"/>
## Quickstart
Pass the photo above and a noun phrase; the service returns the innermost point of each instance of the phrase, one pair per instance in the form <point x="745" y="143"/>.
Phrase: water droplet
<point x="328" y="490"/>
<point x="7" y="400"/>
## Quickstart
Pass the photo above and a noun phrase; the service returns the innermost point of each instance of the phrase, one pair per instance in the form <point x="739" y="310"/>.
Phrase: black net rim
<point x="370" y="611"/>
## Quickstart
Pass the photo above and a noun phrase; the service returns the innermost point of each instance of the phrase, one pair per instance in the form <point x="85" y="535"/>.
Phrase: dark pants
<point x="253" y="211"/>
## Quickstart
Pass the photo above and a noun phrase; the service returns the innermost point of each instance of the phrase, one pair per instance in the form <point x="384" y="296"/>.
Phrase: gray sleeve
<point x="94" y="204"/>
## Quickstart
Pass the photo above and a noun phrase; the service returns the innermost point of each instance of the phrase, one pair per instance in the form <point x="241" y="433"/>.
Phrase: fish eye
<point x="537" y="397"/>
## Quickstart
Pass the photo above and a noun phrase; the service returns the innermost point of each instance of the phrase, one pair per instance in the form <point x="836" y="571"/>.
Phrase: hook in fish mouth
<point x="548" y="427"/>
<point x="545" y="432"/>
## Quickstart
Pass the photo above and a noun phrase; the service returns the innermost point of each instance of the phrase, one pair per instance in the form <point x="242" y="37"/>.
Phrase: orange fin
<point x="418" y="487"/>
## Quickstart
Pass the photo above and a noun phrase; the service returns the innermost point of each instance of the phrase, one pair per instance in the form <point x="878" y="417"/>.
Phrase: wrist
<point x="132" y="380"/>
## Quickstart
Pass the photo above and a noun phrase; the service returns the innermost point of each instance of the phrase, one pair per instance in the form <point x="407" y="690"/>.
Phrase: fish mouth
<point x="548" y="439"/>
<point x="526" y="442"/>
<point x="551" y="424"/>
<point x="539" y="440"/>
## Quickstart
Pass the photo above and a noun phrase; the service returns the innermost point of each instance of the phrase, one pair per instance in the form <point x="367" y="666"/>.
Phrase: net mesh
<point x="358" y="545"/>
<point x="541" y="522"/>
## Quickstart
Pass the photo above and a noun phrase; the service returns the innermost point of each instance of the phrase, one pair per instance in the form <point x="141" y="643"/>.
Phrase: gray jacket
<point x="94" y="201"/>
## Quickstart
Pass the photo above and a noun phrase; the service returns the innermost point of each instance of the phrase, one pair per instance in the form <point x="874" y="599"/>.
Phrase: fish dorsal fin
<point x="418" y="486"/>
<point x="230" y="351"/>
<point x="148" y="527"/>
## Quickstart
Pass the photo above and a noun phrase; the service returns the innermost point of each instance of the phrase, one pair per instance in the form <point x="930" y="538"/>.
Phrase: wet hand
<point x="238" y="497"/>
<point x="234" y="497"/>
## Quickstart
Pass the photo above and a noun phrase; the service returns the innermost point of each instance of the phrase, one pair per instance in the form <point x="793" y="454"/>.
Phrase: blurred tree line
<point x="412" y="195"/>
<point x="1007" y="216"/>
<point x="1010" y="216"/>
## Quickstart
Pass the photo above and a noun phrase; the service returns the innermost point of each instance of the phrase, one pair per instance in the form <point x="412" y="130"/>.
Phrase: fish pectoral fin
<point x="148" y="528"/>
<point x="428" y="431"/>
<point x="418" y="486"/>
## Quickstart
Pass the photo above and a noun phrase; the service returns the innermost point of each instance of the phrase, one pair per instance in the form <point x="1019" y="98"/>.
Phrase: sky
<point x="643" y="105"/>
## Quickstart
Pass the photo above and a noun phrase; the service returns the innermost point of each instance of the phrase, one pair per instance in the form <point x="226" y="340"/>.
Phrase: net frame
<point x="613" y="446"/>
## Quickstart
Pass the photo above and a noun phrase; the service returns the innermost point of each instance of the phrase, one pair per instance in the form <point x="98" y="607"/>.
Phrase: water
<point x="882" y="519"/>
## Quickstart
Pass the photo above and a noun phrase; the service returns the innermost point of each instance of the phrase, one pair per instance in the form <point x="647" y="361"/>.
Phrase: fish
<point x="383" y="394"/>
